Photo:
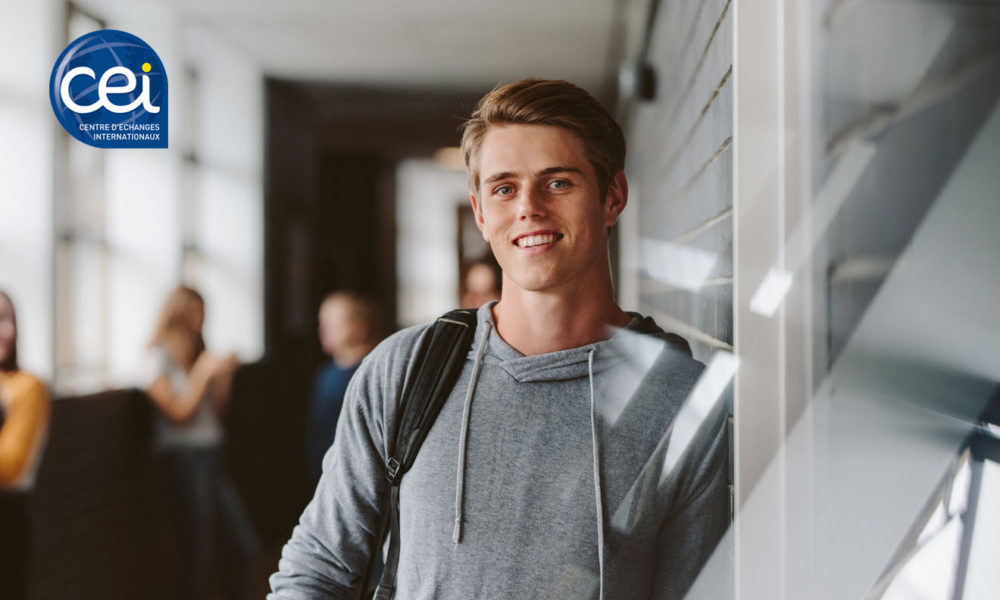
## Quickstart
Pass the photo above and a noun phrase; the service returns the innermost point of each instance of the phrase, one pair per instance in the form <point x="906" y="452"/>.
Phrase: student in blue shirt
<point x="349" y="327"/>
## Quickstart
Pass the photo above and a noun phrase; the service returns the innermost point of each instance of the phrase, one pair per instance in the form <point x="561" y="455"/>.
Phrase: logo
<point x="109" y="89"/>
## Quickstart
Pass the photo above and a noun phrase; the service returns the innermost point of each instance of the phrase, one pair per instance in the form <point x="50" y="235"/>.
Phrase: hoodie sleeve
<point x="329" y="550"/>
<point x="691" y="531"/>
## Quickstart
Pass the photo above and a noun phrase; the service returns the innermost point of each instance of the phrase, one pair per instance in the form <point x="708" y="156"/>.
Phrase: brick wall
<point x="680" y="169"/>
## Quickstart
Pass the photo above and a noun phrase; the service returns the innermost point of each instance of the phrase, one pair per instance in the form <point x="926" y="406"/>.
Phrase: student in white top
<point x="190" y="387"/>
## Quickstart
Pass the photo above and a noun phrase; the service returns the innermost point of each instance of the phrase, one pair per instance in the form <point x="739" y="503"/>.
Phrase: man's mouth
<point x="537" y="239"/>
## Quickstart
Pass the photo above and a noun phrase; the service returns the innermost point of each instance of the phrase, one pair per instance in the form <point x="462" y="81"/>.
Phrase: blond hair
<point x="173" y="329"/>
<point x="548" y="102"/>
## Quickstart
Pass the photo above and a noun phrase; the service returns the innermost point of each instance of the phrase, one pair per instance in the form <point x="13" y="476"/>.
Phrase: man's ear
<point x="615" y="199"/>
<point x="480" y="223"/>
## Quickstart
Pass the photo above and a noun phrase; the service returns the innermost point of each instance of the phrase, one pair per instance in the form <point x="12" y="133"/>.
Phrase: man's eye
<point x="504" y="190"/>
<point x="559" y="184"/>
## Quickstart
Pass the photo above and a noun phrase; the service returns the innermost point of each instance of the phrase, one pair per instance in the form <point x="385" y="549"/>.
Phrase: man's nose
<point x="530" y="204"/>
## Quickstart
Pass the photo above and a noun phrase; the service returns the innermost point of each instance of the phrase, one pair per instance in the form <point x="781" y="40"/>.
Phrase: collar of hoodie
<point x="560" y="365"/>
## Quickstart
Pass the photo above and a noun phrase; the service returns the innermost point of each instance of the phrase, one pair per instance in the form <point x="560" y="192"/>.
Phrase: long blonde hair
<point x="174" y="332"/>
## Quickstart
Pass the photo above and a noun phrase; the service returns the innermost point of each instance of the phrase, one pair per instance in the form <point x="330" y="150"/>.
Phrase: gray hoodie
<point x="549" y="476"/>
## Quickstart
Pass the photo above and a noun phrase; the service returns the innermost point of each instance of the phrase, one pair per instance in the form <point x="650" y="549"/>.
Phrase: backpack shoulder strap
<point x="437" y="364"/>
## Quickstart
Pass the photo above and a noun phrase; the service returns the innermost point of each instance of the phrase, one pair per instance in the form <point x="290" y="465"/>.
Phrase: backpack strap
<point x="439" y="361"/>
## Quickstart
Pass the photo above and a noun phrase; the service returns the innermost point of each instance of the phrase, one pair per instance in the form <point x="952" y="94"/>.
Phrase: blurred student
<point x="480" y="283"/>
<point x="190" y="387"/>
<point x="350" y="325"/>
<point x="24" y="418"/>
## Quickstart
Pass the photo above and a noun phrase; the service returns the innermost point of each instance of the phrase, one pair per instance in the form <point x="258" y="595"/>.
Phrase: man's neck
<point x="540" y="322"/>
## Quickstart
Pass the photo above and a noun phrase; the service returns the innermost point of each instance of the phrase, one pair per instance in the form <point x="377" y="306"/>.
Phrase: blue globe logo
<point x="109" y="89"/>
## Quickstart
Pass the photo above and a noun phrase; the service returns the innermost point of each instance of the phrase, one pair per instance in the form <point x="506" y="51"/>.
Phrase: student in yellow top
<point x="24" y="417"/>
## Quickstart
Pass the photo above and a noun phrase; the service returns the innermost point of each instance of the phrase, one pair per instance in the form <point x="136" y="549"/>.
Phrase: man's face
<point x="539" y="206"/>
<point x="339" y="328"/>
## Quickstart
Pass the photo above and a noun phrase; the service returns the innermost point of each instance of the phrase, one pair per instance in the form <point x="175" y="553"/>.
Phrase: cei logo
<point x="109" y="89"/>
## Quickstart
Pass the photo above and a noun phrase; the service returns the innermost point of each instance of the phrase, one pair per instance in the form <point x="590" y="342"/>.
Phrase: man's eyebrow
<point x="499" y="176"/>
<point x="551" y="170"/>
<point x="547" y="171"/>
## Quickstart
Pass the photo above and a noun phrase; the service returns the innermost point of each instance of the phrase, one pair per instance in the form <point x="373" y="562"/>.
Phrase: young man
<point x="551" y="470"/>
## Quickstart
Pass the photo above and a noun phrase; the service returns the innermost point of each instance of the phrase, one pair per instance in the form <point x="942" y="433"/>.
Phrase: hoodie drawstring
<point x="463" y="447"/>
<point x="598" y="492"/>
<point x="463" y="438"/>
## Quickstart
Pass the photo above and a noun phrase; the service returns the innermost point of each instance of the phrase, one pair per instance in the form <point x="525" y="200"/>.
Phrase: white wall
<point x="226" y="202"/>
<point x="229" y="226"/>
<point x="27" y="42"/>
<point x="142" y="220"/>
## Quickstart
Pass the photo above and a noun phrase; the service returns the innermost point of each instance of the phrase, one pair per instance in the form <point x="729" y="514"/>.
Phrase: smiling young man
<point x="554" y="469"/>
<point x="545" y="211"/>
